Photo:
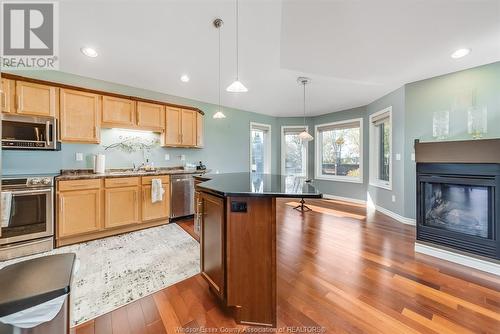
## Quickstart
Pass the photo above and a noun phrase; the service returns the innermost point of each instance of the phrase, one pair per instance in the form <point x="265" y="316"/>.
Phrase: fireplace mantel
<point x="482" y="151"/>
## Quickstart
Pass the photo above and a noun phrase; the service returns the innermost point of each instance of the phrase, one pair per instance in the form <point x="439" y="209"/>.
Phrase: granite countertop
<point x="81" y="174"/>
<point x="32" y="282"/>
<point x="260" y="185"/>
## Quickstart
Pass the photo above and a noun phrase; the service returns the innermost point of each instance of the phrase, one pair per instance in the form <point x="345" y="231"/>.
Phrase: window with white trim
<point x="260" y="148"/>
<point x="339" y="151"/>
<point x="381" y="148"/>
<point x="293" y="151"/>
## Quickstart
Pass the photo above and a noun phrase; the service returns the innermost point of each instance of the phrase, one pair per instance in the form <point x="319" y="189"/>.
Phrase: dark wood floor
<point x="342" y="269"/>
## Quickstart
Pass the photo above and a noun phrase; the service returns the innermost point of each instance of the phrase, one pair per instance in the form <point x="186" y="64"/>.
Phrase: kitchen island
<point x="237" y="214"/>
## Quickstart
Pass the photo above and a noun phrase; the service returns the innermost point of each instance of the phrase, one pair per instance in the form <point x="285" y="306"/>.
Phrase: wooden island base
<point x="238" y="255"/>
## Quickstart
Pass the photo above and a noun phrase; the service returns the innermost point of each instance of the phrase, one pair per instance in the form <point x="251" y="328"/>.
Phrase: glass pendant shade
<point x="219" y="114"/>
<point x="305" y="136"/>
<point x="237" y="87"/>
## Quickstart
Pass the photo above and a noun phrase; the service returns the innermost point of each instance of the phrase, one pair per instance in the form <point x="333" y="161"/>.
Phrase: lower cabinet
<point x="157" y="210"/>
<point x="79" y="212"/>
<point x="212" y="242"/>
<point x="121" y="206"/>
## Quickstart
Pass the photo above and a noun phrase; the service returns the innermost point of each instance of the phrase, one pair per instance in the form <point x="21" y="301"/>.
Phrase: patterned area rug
<point x="115" y="271"/>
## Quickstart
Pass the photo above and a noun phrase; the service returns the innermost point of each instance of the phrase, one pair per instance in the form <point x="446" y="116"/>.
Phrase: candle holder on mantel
<point x="477" y="123"/>
<point x="441" y="124"/>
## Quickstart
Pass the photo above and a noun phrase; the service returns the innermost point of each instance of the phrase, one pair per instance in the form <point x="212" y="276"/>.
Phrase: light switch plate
<point x="183" y="157"/>
<point x="413" y="157"/>
<point x="394" y="198"/>
<point x="167" y="157"/>
<point x="398" y="156"/>
<point x="79" y="156"/>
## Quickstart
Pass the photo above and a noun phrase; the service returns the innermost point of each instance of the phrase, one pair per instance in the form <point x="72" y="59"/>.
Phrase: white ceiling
<point x="355" y="51"/>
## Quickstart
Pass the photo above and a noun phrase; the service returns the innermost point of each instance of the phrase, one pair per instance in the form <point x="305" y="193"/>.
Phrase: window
<point x="339" y="151"/>
<point x="260" y="148"/>
<point x="381" y="148"/>
<point x="293" y="151"/>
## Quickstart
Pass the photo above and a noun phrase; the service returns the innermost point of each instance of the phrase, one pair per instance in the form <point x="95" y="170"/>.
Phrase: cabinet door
<point x="199" y="130"/>
<point x="118" y="112"/>
<point x="79" y="119"/>
<point x="212" y="242"/>
<point x="79" y="212"/>
<point x="158" y="210"/>
<point x="151" y="116"/>
<point x="188" y="130"/>
<point x="8" y="95"/>
<point x="172" y="127"/>
<point x="121" y="206"/>
<point x="36" y="99"/>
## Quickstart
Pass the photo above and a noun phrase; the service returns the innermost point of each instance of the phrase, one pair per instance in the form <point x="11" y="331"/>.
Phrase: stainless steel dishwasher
<point x="182" y="195"/>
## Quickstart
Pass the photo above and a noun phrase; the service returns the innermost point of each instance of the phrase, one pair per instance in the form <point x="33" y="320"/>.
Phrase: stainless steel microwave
<point x="29" y="132"/>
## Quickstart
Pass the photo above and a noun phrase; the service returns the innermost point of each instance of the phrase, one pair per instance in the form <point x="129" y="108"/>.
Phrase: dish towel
<point x="6" y="203"/>
<point x="157" y="191"/>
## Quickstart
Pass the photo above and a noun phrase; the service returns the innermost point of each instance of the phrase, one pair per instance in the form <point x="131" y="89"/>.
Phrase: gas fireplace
<point x="458" y="205"/>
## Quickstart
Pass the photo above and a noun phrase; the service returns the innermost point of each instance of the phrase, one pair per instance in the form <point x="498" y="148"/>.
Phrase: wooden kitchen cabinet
<point x="199" y="130"/>
<point x="78" y="212"/>
<point x="118" y="112"/>
<point x="172" y="136"/>
<point x="150" y="116"/>
<point x="159" y="210"/>
<point x="8" y="95"/>
<point x="121" y="203"/>
<point x="36" y="99"/>
<point x="188" y="127"/>
<point x="79" y="116"/>
<point x="212" y="242"/>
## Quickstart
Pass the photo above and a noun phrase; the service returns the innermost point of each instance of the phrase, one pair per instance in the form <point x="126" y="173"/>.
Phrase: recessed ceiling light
<point x="185" y="78"/>
<point x="89" y="52"/>
<point x="460" y="53"/>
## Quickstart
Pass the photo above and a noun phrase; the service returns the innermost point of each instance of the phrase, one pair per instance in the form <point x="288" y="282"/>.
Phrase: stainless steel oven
<point x="29" y="132"/>
<point x="27" y="217"/>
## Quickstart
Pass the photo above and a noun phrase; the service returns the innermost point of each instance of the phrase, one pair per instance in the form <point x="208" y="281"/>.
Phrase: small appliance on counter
<point x="201" y="166"/>
<point x="29" y="133"/>
<point x="27" y="217"/>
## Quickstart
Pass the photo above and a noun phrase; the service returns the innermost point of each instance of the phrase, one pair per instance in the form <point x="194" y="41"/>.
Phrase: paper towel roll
<point x="99" y="163"/>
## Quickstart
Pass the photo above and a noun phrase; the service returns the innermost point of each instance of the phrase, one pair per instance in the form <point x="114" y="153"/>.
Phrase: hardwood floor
<point x="342" y="269"/>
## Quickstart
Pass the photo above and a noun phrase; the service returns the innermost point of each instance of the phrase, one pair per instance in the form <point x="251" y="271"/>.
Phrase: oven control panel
<point x="39" y="181"/>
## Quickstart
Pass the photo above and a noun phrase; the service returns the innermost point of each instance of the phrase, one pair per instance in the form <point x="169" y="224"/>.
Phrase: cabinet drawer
<point x="146" y="180"/>
<point x="79" y="184"/>
<point x="121" y="182"/>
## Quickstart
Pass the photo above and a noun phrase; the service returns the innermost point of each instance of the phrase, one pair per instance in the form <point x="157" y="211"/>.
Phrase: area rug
<point x="115" y="271"/>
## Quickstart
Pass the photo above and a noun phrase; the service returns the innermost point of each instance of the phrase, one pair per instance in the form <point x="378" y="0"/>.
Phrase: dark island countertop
<point x="32" y="282"/>
<point x="254" y="184"/>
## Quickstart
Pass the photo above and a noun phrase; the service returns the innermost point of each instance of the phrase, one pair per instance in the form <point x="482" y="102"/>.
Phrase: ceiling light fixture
<point x="237" y="86"/>
<point x="460" y="53"/>
<point x="218" y="23"/>
<point x="304" y="135"/>
<point x="89" y="52"/>
<point x="185" y="78"/>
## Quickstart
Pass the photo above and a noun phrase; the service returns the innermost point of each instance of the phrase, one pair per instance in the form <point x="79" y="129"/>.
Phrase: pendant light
<point x="237" y="86"/>
<point x="218" y="23"/>
<point x="304" y="135"/>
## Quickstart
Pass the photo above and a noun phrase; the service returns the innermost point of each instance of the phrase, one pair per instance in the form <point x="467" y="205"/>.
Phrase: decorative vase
<point x="441" y="124"/>
<point x="477" y="117"/>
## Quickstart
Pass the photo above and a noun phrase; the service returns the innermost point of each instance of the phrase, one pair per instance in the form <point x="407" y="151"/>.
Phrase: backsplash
<point x="19" y="162"/>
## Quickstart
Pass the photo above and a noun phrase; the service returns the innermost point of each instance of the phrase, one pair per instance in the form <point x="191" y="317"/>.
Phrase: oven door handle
<point x="29" y="192"/>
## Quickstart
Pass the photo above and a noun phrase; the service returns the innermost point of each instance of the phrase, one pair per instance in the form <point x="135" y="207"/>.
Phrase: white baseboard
<point x="393" y="215"/>
<point x="468" y="261"/>
<point x="396" y="216"/>
<point x="345" y="199"/>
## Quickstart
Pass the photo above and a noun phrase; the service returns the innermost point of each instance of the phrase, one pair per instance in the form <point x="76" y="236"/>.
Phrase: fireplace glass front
<point x="459" y="208"/>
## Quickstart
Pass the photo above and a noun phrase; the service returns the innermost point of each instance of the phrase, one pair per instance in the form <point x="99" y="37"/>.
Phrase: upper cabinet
<point x="199" y="130"/>
<point x="117" y="112"/>
<point x="184" y="128"/>
<point x="150" y="116"/>
<point x="36" y="99"/>
<point x="8" y="95"/>
<point x="80" y="116"/>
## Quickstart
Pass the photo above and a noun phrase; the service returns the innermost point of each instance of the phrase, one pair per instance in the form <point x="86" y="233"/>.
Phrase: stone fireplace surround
<point x="458" y="202"/>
